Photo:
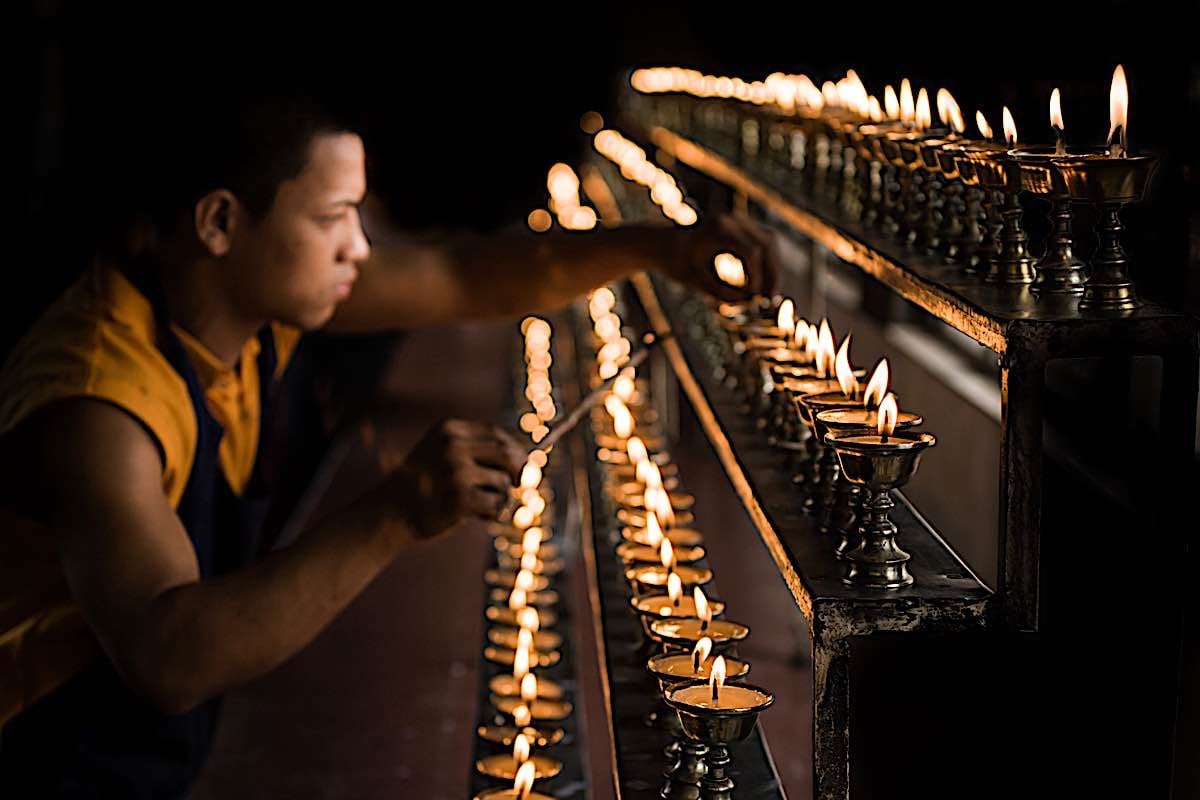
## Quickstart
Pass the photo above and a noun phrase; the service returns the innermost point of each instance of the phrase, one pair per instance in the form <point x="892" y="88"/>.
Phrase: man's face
<point x="299" y="261"/>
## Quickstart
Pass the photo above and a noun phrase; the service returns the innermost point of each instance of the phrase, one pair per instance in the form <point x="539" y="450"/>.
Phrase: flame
<point x="878" y="385"/>
<point x="624" y="387"/>
<point x="601" y="301"/>
<point x="529" y="688"/>
<point x="1010" y="128"/>
<point x="521" y="663"/>
<point x="622" y="419"/>
<point x="524" y="580"/>
<point x="1118" y="106"/>
<point x="717" y="679"/>
<point x="843" y="370"/>
<point x="674" y="589"/>
<point x="648" y="474"/>
<point x="531" y="475"/>
<point x="562" y="182"/>
<point x="662" y="508"/>
<point x="523" y="517"/>
<point x="532" y="540"/>
<point x="520" y="749"/>
<point x="525" y="639"/>
<point x="886" y="419"/>
<point x="523" y="784"/>
<point x="654" y="533"/>
<point x="944" y="99"/>
<point x="908" y="110"/>
<point x="533" y="501"/>
<point x="812" y="344"/>
<point x="528" y="618"/>
<point x="891" y="104"/>
<point x="826" y="351"/>
<point x="701" y="652"/>
<point x="730" y="270"/>
<point x="786" y="318"/>
<point x="924" y="116"/>
<point x="1056" y="117"/>
<point x="635" y="448"/>
<point x="666" y="554"/>
<point x="703" y="612"/>
<point x="529" y="561"/>
<point x="522" y="716"/>
<point x="517" y="599"/>
<point x="981" y="122"/>
<point x="800" y="335"/>
<point x="874" y="110"/>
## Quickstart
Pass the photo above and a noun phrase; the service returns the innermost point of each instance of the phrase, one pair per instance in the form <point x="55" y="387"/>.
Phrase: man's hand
<point x="728" y="233"/>
<point x="458" y="469"/>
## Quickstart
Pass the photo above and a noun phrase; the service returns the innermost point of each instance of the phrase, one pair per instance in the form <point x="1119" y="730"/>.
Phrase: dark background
<point x="454" y="96"/>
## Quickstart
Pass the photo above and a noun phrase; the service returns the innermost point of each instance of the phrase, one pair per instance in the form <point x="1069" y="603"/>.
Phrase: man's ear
<point x="217" y="216"/>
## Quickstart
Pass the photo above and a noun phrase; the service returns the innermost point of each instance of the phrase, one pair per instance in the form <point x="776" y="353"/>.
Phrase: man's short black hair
<point x="204" y="135"/>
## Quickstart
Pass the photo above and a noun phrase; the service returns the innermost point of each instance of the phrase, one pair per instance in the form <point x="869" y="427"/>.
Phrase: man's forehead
<point x="336" y="164"/>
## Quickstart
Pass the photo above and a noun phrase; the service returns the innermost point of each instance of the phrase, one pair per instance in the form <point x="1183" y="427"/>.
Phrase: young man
<point x="132" y="589"/>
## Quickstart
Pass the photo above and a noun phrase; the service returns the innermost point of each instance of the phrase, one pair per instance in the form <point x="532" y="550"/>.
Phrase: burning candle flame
<point x="954" y="117"/>
<point x="664" y="511"/>
<point x="703" y="611"/>
<point x="528" y="618"/>
<point x="886" y="419"/>
<point x="812" y="344"/>
<point x="800" y="335"/>
<point x="981" y="122"/>
<point x="523" y="784"/>
<point x="524" y="581"/>
<point x="1118" y="111"/>
<point x="666" y="554"/>
<point x="522" y="716"/>
<point x="531" y="476"/>
<point x="891" y="104"/>
<point x="717" y="679"/>
<point x="654" y="533"/>
<point x="826" y="350"/>
<point x="943" y="105"/>
<point x="523" y="517"/>
<point x="845" y="373"/>
<point x="648" y="474"/>
<point x="1010" y="128"/>
<point x="924" y="116"/>
<point x="624" y="386"/>
<point x="520" y="749"/>
<point x="517" y="599"/>
<point x="786" y="319"/>
<point x="521" y="663"/>
<point x="874" y="111"/>
<point x="532" y="540"/>
<point x="529" y="689"/>
<point x="622" y="419"/>
<point x="730" y="270"/>
<point x="674" y="589"/>
<point x="1056" y="117"/>
<point x="908" y="111"/>
<point x="877" y="386"/>
<point x="700" y="653"/>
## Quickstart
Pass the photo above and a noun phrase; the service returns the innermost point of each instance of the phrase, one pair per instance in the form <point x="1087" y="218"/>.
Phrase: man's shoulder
<point x="98" y="343"/>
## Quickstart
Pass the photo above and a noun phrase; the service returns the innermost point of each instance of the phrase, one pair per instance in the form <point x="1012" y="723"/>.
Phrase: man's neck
<point x="196" y="302"/>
